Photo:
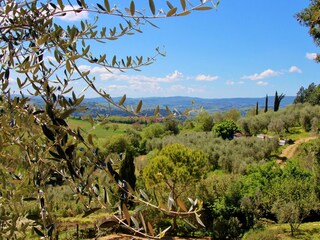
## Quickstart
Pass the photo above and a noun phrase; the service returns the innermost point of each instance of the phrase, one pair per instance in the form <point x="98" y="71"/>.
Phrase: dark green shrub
<point x="226" y="228"/>
<point x="225" y="129"/>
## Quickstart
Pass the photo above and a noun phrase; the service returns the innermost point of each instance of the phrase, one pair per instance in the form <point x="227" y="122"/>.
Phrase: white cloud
<point x="72" y="16"/>
<point x="202" y="77"/>
<point x="118" y="82"/>
<point x="233" y="82"/>
<point x="136" y="88"/>
<point x="182" y="90"/>
<point x="177" y="88"/>
<point x="106" y="76"/>
<point x="103" y="73"/>
<point x="262" y="83"/>
<point x="115" y="87"/>
<point x="294" y="69"/>
<point x="100" y="70"/>
<point x="152" y="89"/>
<point x="230" y="82"/>
<point x="311" y="56"/>
<point x="84" y="68"/>
<point x="175" y="76"/>
<point x="50" y="58"/>
<point x="265" y="74"/>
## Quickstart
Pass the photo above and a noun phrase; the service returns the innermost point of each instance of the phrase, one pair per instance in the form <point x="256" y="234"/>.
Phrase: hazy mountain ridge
<point x="178" y="100"/>
<point x="101" y="106"/>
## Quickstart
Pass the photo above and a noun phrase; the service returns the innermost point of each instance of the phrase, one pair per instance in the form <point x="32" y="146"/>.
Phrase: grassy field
<point x="99" y="131"/>
<point x="297" y="133"/>
<point x="307" y="231"/>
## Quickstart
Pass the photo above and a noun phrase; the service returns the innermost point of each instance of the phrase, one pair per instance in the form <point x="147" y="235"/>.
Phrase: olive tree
<point x="225" y="129"/>
<point x="294" y="196"/>
<point x="204" y="121"/>
<point x="176" y="169"/>
<point x="43" y="57"/>
<point x="310" y="18"/>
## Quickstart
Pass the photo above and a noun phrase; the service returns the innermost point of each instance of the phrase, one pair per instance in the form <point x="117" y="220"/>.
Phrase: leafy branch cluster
<point x="310" y="18"/>
<point x="38" y="147"/>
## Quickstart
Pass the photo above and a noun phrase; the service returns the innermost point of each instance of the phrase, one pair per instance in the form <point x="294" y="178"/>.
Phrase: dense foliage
<point x="310" y="18"/>
<point x="226" y="129"/>
<point x="309" y="95"/>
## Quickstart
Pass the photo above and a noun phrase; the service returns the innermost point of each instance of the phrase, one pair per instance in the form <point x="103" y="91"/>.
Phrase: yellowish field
<point x="307" y="231"/>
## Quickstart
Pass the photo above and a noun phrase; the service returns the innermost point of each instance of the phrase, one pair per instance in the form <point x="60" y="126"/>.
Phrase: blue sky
<point x="246" y="48"/>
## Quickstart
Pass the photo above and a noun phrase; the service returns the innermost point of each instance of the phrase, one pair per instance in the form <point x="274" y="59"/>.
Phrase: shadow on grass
<point x="274" y="156"/>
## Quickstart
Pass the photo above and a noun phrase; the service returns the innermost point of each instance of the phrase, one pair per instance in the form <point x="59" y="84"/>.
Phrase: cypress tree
<point x="127" y="169"/>
<point x="266" y="104"/>
<point x="277" y="101"/>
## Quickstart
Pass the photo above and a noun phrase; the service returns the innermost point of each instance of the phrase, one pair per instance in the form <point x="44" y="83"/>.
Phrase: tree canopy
<point x="225" y="129"/>
<point x="175" y="169"/>
<point x="310" y="17"/>
<point x="309" y="95"/>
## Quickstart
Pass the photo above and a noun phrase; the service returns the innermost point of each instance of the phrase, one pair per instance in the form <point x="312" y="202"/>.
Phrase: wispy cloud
<point x="172" y="77"/>
<point x="169" y="85"/>
<point x="103" y="73"/>
<point x="311" y="56"/>
<point x="265" y="74"/>
<point x="115" y="87"/>
<point x="72" y="16"/>
<point x="137" y="88"/>
<point x="100" y="70"/>
<point x="116" y="75"/>
<point x="50" y="58"/>
<point x="203" y="77"/>
<point x="178" y="89"/>
<point x="262" y="83"/>
<point x="84" y="68"/>
<point x="234" y="82"/>
<point x="294" y="69"/>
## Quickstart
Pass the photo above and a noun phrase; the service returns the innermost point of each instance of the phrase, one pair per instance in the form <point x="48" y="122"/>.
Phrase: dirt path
<point x="289" y="151"/>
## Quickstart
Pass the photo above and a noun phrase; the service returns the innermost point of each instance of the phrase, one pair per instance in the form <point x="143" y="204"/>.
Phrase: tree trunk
<point x="175" y="225"/>
<point x="292" y="229"/>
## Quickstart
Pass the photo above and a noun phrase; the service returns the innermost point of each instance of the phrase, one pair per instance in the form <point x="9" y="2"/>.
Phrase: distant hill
<point x="100" y="106"/>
